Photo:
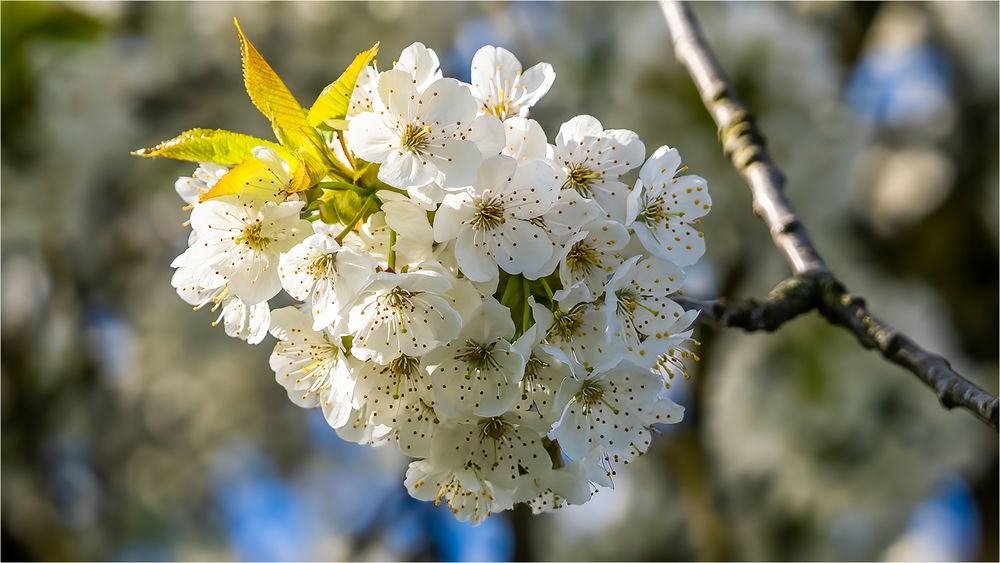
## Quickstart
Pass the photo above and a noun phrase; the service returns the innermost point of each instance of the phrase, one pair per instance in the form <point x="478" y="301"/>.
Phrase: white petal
<point x="370" y="138"/>
<point x="405" y="169"/>
<point x="535" y="83"/>
<point x="568" y="213"/>
<point x="661" y="165"/>
<point x="473" y="257"/>
<point x="445" y="105"/>
<point x="488" y="133"/>
<point x="457" y="162"/>
<point x="454" y="212"/>
<point x="495" y="175"/>
<point x="255" y="278"/>
<point x="627" y="153"/>
<point x="420" y="62"/>
<point x="525" y="139"/>
<point x="536" y="186"/>
<point x="688" y="196"/>
<point x="408" y="220"/>
<point x="397" y="95"/>
<point x="519" y="246"/>
<point x="578" y="129"/>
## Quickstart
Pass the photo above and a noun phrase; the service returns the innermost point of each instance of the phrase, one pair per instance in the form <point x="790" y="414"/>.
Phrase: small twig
<point x="347" y="153"/>
<point x="353" y="222"/>
<point x="814" y="285"/>
<point x="789" y="299"/>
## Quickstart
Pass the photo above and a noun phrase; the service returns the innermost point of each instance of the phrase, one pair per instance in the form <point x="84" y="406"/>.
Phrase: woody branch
<point x="813" y="286"/>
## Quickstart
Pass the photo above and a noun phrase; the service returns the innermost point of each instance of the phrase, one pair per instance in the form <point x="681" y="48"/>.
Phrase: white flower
<point x="495" y="221"/>
<point x="476" y="465"/>
<point x="555" y="489"/>
<point x="241" y="321"/>
<point x="398" y="395"/>
<point x="402" y="314"/>
<point x="562" y="221"/>
<point x="469" y="496"/>
<point x="417" y="60"/>
<point x="639" y="308"/>
<point x="413" y="134"/>
<point x="577" y="328"/>
<point x="592" y="254"/>
<point x="205" y="176"/>
<point x="594" y="159"/>
<point x="673" y="361"/>
<point x="308" y="273"/>
<point x="500" y="448"/>
<point x="311" y="366"/>
<point x="478" y="372"/>
<point x="328" y="276"/>
<point x="501" y="88"/>
<point x="612" y="411"/>
<point x="662" y="209"/>
<point x="543" y="375"/>
<point x="238" y="240"/>
<point x="246" y="322"/>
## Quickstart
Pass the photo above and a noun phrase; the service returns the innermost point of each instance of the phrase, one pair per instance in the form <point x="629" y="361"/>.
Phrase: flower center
<point x="532" y="367"/>
<point x="566" y="324"/>
<point x="403" y="366"/>
<point x="399" y="369"/>
<point x="582" y="257"/>
<point x="579" y="178"/>
<point x="655" y="211"/>
<point x="627" y="302"/>
<point x="415" y="137"/>
<point x="478" y="357"/>
<point x="397" y="299"/>
<point x="488" y="214"/>
<point x="252" y="236"/>
<point x="493" y="428"/>
<point x="322" y="266"/>
<point x="590" y="394"/>
<point x="501" y="108"/>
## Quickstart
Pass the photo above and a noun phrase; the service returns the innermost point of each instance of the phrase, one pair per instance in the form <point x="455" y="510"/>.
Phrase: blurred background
<point x="134" y="430"/>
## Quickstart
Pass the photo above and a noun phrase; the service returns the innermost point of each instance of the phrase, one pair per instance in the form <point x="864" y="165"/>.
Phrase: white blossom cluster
<point x="501" y="309"/>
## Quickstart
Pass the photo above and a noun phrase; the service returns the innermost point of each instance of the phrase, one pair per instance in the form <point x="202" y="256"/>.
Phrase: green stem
<point x="526" y="316"/>
<point x="350" y="226"/>
<point x="344" y="186"/>
<point x="347" y="153"/>
<point x="392" y="250"/>
<point x="508" y="290"/>
<point x="548" y="290"/>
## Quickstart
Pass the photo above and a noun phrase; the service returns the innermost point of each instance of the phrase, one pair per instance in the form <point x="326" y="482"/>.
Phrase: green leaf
<point x="340" y="206"/>
<point x="270" y="95"/>
<point x="211" y="145"/>
<point x="252" y="175"/>
<point x="334" y="100"/>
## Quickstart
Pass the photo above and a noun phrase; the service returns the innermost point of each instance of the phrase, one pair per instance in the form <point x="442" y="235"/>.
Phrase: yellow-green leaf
<point x="270" y="95"/>
<point x="249" y="177"/>
<point x="340" y="207"/>
<point x="334" y="100"/>
<point x="210" y="145"/>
